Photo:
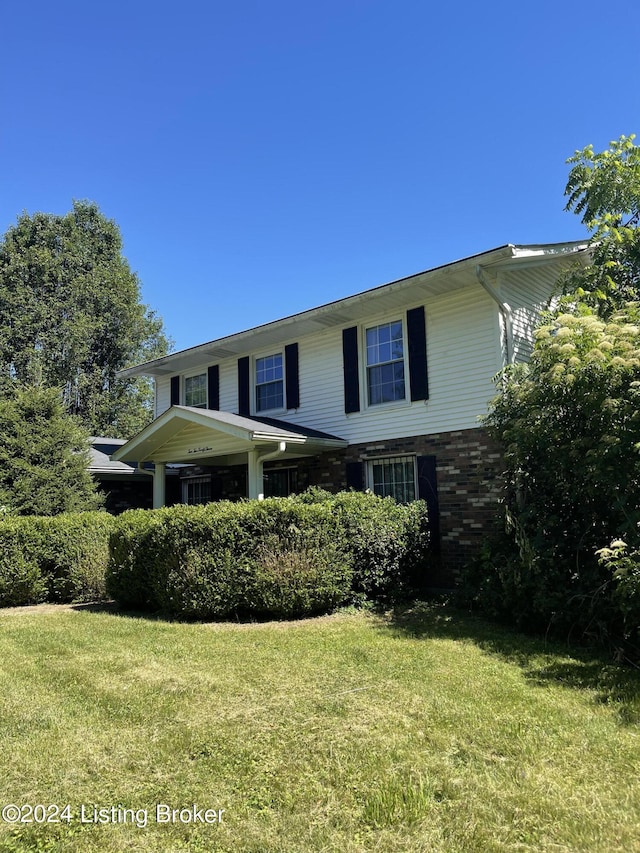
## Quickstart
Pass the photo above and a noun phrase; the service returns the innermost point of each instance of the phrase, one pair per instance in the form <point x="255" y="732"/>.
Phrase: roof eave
<point x="342" y="311"/>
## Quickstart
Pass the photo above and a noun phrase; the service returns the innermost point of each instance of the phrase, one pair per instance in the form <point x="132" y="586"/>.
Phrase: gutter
<point x="505" y="311"/>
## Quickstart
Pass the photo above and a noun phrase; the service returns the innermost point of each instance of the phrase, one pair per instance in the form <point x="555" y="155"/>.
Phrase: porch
<point x="213" y="439"/>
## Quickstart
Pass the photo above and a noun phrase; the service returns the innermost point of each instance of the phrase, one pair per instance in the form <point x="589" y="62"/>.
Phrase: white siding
<point x="163" y="394"/>
<point x="463" y="348"/>
<point x="463" y="355"/>
<point x="527" y="292"/>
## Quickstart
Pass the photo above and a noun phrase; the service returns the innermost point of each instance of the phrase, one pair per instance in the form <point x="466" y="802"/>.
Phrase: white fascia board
<point x="342" y="312"/>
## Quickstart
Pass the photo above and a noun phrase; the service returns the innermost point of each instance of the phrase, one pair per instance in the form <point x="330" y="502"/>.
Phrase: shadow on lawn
<point x="114" y="609"/>
<point x="542" y="662"/>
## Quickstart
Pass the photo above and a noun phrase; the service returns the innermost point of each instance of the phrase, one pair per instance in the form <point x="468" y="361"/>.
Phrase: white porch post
<point x="159" y="485"/>
<point x="255" y="476"/>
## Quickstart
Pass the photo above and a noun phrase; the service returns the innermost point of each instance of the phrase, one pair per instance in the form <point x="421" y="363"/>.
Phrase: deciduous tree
<point x="71" y="316"/>
<point x="569" y="424"/>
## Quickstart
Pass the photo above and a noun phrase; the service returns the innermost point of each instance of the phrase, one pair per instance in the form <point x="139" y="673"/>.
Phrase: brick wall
<point x="468" y="467"/>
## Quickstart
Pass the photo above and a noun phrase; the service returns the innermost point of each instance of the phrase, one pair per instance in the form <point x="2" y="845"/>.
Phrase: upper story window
<point x="269" y="383"/>
<point x="195" y="391"/>
<point x="385" y="363"/>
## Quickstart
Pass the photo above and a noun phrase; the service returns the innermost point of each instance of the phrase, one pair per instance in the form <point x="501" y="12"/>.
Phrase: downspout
<point x="256" y="472"/>
<point x="505" y="311"/>
<point x="159" y="483"/>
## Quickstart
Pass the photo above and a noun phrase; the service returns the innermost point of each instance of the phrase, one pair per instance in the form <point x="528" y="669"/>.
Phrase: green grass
<point x="426" y="730"/>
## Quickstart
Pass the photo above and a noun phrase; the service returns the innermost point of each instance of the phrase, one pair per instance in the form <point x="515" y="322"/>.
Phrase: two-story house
<point x="381" y="390"/>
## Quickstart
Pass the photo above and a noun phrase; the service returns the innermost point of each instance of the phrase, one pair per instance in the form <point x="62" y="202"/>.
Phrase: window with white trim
<point x="393" y="476"/>
<point x="269" y="383"/>
<point x="385" y="363"/>
<point x="195" y="391"/>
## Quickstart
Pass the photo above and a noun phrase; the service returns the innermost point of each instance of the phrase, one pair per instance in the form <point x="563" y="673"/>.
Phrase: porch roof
<point x="193" y="435"/>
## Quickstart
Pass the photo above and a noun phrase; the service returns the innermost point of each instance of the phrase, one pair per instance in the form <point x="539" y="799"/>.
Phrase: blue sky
<point x="263" y="157"/>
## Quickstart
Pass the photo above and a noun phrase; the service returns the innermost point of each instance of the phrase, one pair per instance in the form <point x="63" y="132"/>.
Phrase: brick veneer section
<point x="468" y="468"/>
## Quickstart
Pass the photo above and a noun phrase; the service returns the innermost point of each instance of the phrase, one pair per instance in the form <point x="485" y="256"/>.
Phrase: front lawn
<point x="426" y="730"/>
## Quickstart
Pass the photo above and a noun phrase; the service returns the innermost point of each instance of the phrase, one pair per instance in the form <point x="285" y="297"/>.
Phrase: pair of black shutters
<point x="417" y="352"/>
<point x="427" y="491"/>
<point x="292" y="383"/>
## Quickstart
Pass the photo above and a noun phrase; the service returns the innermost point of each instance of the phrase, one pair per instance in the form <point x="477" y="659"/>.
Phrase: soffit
<point x="415" y="289"/>
<point x="188" y="435"/>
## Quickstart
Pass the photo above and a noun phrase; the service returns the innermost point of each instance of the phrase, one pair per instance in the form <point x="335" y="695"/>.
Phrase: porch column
<point x="255" y="476"/>
<point x="159" y="485"/>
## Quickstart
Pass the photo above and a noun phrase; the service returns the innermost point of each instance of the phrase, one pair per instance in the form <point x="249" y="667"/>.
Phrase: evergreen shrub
<point x="388" y="542"/>
<point x="60" y="558"/>
<point x="281" y="557"/>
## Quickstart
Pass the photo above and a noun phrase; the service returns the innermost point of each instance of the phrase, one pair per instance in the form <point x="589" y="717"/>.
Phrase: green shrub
<point x="300" y="578"/>
<point x="204" y="567"/>
<point x="622" y="562"/>
<point x="219" y="560"/>
<point x="135" y="548"/>
<point x="74" y="555"/>
<point x="61" y="558"/>
<point x="21" y="581"/>
<point x="387" y="542"/>
<point x="278" y="557"/>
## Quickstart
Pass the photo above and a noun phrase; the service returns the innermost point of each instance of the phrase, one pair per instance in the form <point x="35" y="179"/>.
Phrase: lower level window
<point x="394" y="477"/>
<point x="196" y="490"/>
<point x="280" y="482"/>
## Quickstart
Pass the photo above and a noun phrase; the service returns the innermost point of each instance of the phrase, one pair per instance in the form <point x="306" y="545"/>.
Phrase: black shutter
<point x="428" y="492"/>
<point x="216" y="487"/>
<point x="213" y="387"/>
<point x="350" y="367"/>
<point x="291" y="376"/>
<point x="175" y="390"/>
<point x="355" y="476"/>
<point x="417" y="334"/>
<point x="244" y="405"/>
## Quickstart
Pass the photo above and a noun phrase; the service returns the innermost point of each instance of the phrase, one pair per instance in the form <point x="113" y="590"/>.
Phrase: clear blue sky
<point x="266" y="156"/>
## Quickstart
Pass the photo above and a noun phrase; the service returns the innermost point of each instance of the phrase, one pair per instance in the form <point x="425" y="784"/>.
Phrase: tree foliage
<point x="43" y="456"/>
<point x="604" y="188"/>
<point x="569" y="425"/>
<point x="71" y="317"/>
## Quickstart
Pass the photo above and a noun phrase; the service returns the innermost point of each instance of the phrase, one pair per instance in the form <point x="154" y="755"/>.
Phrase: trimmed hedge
<point x="278" y="557"/>
<point x="388" y="542"/>
<point x="229" y="558"/>
<point x="61" y="558"/>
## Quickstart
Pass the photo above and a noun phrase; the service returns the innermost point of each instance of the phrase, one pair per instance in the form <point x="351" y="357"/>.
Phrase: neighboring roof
<point x="445" y="278"/>
<point x="100" y="463"/>
<point x="187" y="434"/>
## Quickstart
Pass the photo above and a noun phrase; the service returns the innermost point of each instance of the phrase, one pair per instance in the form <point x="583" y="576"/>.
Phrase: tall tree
<point x="71" y="316"/>
<point x="569" y="425"/>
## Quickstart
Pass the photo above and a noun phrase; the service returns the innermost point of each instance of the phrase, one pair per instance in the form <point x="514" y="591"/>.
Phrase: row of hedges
<point x="60" y="558"/>
<point x="282" y="558"/>
<point x="278" y="557"/>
